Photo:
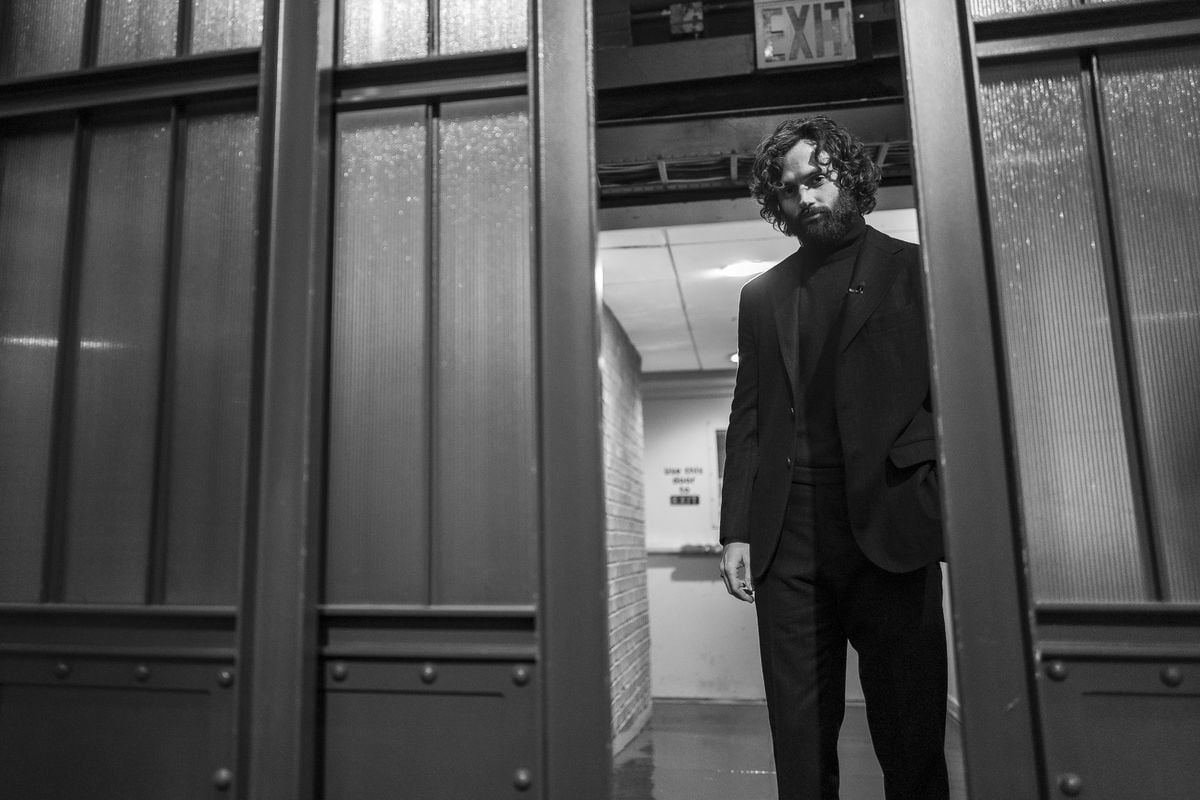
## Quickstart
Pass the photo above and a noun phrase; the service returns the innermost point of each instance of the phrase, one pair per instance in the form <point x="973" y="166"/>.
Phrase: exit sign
<point x="798" y="33"/>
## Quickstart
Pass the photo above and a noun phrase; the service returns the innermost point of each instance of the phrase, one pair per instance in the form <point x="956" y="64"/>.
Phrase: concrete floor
<point x="714" y="751"/>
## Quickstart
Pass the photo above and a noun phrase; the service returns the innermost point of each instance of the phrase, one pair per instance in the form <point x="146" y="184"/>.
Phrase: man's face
<point x="813" y="206"/>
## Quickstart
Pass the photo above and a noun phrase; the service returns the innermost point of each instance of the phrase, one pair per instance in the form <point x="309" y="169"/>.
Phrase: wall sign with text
<point x="798" y="33"/>
<point x="683" y="485"/>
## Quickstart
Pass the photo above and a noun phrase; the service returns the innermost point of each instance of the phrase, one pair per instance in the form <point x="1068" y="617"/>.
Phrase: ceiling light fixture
<point x="744" y="269"/>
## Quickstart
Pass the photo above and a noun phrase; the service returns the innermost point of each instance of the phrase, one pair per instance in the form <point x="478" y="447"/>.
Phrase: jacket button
<point x="788" y="461"/>
<point x="792" y="411"/>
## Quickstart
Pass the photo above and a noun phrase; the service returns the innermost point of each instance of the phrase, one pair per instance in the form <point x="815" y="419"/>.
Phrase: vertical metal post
<point x="987" y="580"/>
<point x="1121" y="324"/>
<point x="572" y="618"/>
<point x="433" y="415"/>
<point x="156" y="563"/>
<point x="183" y="31"/>
<point x="54" y="565"/>
<point x="277" y="626"/>
<point x="91" y="34"/>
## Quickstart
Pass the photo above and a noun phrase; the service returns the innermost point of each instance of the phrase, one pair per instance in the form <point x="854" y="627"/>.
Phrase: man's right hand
<point x="735" y="571"/>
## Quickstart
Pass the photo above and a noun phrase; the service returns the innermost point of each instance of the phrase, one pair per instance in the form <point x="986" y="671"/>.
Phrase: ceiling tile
<point x="650" y="306"/>
<point x="669" y="362"/>
<point x="898" y="222"/>
<point x="678" y="309"/>
<point x="651" y="312"/>
<point x="636" y="264"/>
<point x="722" y="232"/>
<point x="705" y="261"/>
<point x="633" y="237"/>
<point x="712" y="308"/>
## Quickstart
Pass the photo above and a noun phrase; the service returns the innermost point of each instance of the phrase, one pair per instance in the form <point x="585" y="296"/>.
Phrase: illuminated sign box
<point x="800" y="33"/>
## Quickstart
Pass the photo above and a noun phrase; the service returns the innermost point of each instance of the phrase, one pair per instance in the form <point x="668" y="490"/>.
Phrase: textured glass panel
<point x="137" y="30"/>
<point x="1074" y="469"/>
<point x="226" y="24"/>
<point x="1152" y="101"/>
<point x="486" y="458"/>
<point x="472" y="26"/>
<point x="210" y="362"/>
<point x="384" y="30"/>
<point x="983" y="9"/>
<point x="114" y="418"/>
<point x="40" y="36"/>
<point x="378" y="549"/>
<point x="34" y="194"/>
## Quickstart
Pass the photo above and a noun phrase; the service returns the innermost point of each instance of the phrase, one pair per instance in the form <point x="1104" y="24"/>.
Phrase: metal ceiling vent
<point x="698" y="173"/>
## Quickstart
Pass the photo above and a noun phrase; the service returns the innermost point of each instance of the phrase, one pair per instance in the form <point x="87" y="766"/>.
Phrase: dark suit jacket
<point x="882" y="399"/>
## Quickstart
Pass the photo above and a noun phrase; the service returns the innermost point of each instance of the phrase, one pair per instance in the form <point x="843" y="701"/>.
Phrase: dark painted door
<point x="129" y="159"/>
<point x="300" y="492"/>
<point x="1057" y="167"/>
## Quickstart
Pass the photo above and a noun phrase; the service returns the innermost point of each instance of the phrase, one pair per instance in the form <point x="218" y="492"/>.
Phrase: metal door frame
<point x="991" y="617"/>
<point x="276" y="720"/>
<point x="279" y="633"/>
<point x="1004" y="641"/>
<point x="573" y="603"/>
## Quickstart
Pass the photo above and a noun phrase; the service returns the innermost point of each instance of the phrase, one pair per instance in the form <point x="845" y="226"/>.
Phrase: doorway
<point x="674" y="144"/>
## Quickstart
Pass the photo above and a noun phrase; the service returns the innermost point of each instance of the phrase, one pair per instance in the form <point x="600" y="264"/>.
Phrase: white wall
<point x="703" y="643"/>
<point x="681" y="462"/>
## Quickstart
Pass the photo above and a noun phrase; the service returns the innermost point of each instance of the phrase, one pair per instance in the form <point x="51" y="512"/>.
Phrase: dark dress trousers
<point x="845" y="553"/>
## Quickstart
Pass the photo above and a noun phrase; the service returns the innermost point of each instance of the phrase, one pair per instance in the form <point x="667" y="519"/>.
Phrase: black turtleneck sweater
<point x="825" y="278"/>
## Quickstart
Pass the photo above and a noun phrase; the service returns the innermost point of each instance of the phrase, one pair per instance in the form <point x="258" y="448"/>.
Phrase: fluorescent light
<point x="744" y="269"/>
<point x="50" y="341"/>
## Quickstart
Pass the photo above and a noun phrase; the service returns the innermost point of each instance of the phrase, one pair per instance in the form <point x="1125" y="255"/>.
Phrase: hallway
<point x="710" y="751"/>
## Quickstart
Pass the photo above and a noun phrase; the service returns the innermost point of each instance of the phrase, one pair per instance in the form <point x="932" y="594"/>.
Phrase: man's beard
<point x="827" y="227"/>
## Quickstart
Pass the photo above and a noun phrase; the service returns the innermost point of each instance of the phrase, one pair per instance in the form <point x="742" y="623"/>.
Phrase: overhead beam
<point x="672" y="62"/>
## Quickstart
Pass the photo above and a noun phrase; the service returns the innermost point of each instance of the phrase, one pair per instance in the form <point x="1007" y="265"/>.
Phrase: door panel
<point x="226" y="24"/>
<point x="35" y="170"/>
<point x="1133" y="733"/>
<point x="210" y="362"/>
<point x="445" y="280"/>
<point x="373" y="32"/>
<point x="40" y="36"/>
<point x="427" y="638"/>
<point x="306" y="344"/>
<point x="137" y="31"/>
<point x="107" y="742"/>
<point x="424" y="731"/>
<point x="1076" y="495"/>
<point x="1083" y="164"/>
<point x="116" y="704"/>
<point x="129" y="257"/>
<point x="1151" y="102"/>
<point x="378" y="540"/>
<point x="475" y="26"/>
<point x="113" y="421"/>
<point x="486" y="491"/>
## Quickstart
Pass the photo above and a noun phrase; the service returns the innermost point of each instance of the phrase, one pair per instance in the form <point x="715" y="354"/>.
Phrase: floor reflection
<point x="714" y="751"/>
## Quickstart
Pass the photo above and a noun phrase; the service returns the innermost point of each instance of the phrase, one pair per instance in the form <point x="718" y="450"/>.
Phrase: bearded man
<point x="830" y="517"/>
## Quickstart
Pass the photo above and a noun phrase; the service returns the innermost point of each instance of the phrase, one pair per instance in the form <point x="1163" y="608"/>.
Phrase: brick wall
<point x="628" y="610"/>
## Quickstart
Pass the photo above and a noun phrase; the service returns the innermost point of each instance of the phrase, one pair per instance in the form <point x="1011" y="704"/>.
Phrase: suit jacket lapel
<point x="787" y="317"/>
<point x="871" y="280"/>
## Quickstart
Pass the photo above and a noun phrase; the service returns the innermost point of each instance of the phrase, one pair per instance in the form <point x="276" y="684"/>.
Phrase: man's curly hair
<point x="857" y="174"/>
